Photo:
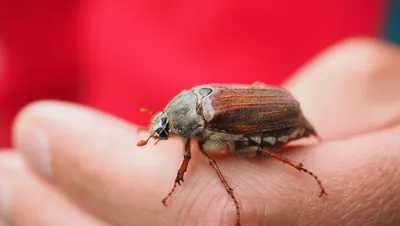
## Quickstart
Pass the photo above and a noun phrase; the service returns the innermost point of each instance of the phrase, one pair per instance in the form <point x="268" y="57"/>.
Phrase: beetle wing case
<point x="240" y="109"/>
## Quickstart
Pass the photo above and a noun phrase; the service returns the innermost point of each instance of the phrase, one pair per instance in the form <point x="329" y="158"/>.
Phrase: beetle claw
<point x="323" y="192"/>
<point x="164" y="201"/>
<point x="179" y="181"/>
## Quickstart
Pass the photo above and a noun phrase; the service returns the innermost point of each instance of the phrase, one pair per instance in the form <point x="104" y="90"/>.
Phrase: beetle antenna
<point x="146" y="110"/>
<point x="144" y="142"/>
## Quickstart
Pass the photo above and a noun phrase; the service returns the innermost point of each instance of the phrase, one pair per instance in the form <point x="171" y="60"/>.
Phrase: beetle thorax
<point x="183" y="115"/>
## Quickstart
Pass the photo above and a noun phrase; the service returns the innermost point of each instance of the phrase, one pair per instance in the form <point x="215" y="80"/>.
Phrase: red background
<point x="121" y="55"/>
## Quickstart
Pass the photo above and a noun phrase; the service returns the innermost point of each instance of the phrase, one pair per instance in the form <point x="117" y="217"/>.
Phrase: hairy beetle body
<point x="245" y="120"/>
<point x="235" y="118"/>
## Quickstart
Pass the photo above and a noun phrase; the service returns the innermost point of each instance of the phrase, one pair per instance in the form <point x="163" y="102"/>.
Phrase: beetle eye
<point x="163" y="130"/>
<point x="164" y="119"/>
<point x="164" y="122"/>
<point x="162" y="133"/>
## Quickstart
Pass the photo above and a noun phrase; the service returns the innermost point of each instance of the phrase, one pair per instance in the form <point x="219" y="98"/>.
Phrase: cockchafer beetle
<point x="246" y="120"/>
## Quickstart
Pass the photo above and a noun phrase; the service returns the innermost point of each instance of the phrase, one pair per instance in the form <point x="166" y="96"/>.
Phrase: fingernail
<point x="4" y="200"/>
<point x="11" y="160"/>
<point x="33" y="143"/>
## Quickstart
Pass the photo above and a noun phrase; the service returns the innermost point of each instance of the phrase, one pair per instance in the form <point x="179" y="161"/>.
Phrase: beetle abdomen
<point x="271" y="140"/>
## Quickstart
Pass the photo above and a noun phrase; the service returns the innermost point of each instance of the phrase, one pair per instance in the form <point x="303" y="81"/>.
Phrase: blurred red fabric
<point x="121" y="55"/>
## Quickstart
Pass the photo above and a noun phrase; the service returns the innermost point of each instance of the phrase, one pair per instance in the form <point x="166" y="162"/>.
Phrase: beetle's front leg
<point x="179" y="177"/>
<point x="186" y="158"/>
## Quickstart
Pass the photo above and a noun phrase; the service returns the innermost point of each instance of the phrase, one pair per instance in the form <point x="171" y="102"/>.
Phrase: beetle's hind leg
<point x="213" y="163"/>
<point x="298" y="166"/>
<point x="181" y="172"/>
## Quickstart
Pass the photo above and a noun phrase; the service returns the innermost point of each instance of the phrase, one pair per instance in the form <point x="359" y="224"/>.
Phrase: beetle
<point x="244" y="120"/>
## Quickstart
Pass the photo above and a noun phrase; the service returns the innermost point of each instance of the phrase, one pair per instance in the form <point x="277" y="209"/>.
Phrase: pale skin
<point x="94" y="174"/>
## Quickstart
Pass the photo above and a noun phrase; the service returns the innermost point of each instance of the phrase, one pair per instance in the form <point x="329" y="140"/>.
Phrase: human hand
<point x="76" y="166"/>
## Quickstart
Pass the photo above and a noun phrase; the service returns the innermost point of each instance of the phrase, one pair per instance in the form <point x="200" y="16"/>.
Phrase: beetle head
<point x="159" y="129"/>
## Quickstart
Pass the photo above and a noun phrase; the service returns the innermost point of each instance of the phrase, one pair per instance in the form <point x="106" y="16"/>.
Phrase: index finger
<point x="93" y="158"/>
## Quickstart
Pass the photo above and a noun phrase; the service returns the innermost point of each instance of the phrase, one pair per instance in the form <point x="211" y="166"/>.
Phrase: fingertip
<point x="34" y="113"/>
<point x="357" y="52"/>
<point x="350" y="89"/>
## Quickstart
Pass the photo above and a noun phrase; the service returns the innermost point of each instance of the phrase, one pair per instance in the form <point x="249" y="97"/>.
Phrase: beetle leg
<point x="247" y="151"/>
<point x="298" y="166"/>
<point x="213" y="163"/>
<point x="179" y="177"/>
